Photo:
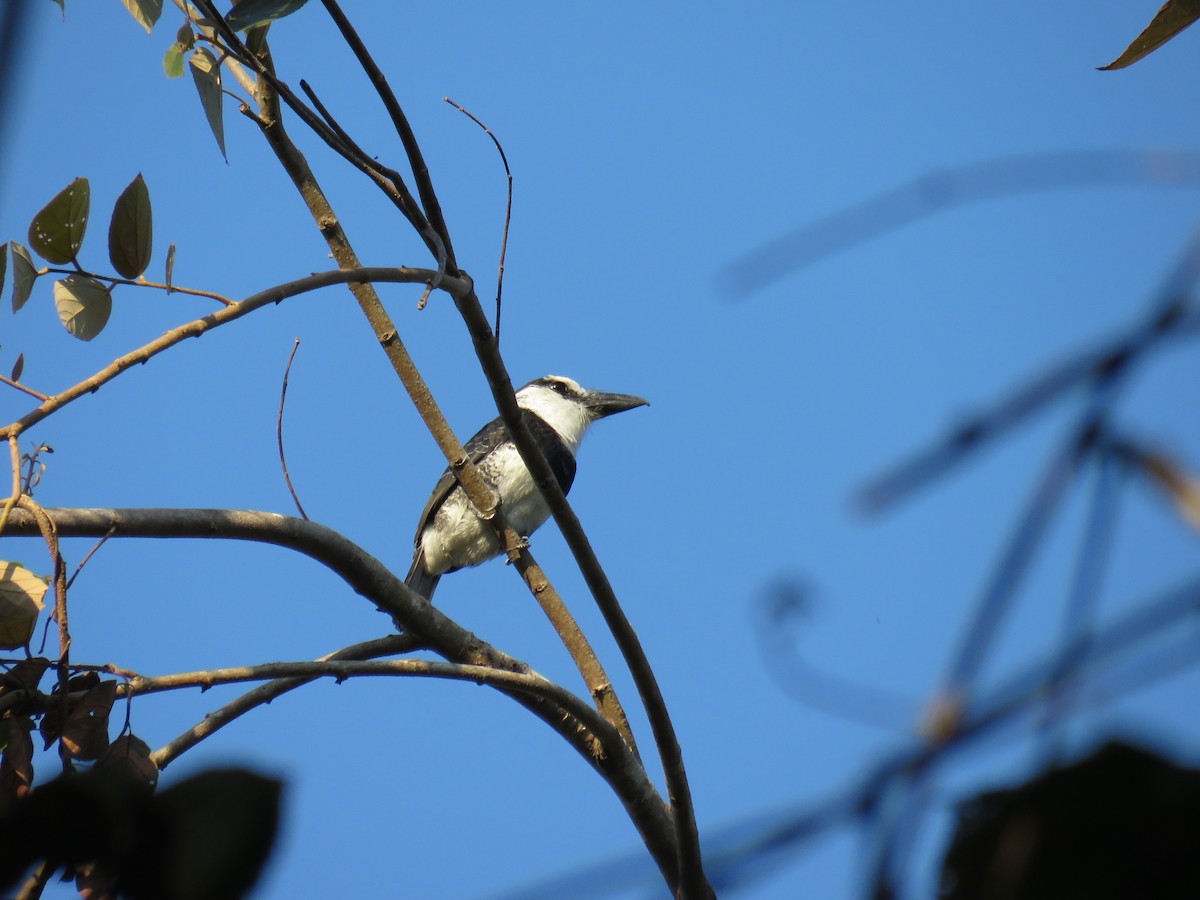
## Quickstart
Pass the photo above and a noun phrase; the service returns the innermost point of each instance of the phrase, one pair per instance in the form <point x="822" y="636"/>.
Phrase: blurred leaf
<point x="170" y="267"/>
<point x="24" y="275"/>
<point x="18" y="367"/>
<point x="3" y="263"/>
<point x="1172" y="18"/>
<point x="222" y="824"/>
<point x="16" y="764"/>
<point x="129" y="757"/>
<point x="205" y="838"/>
<point x="21" y="594"/>
<point x="184" y="37"/>
<point x="1120" y="824"/>
<point x="56" y="233"/>
<point x="173" y="61"/>
<point x="130" y="231"/>
<point x="145" y="11"/>
<point x="25" y="675"/>
<point x="84" y="305"/>
<point x="85" y="734"/>
<point x="248" y="13"/>
<point x="207" y="74"/>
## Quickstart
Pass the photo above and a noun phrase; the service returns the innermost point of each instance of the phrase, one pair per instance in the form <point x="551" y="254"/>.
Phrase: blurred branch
<point x="1083" y="597"/>
<point x="943" y="189"/>
<point x="746" y="852"/>
<point x="977" y="430"/>
<point x="784" y="610"/>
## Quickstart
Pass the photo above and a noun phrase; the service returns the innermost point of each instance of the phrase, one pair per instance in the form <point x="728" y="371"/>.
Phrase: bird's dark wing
<point x="483" y="442"/>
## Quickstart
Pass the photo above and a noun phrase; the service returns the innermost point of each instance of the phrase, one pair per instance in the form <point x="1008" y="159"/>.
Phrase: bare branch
<point x="507" y="207"/>
<point x="279" y="430"/>
<point x="603" y="748"/>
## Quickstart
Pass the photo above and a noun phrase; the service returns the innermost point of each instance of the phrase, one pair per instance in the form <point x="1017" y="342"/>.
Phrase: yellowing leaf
<point x="129" y="232"/>
<point x="83" y="304"/>
<point x="145" y="11"/>
<point x="206" y="72"/>
<point x="1172" y="18"/>
<point x="24" y="275"/>
<point x="56" y="233"/>
<point x="21" y="594"/>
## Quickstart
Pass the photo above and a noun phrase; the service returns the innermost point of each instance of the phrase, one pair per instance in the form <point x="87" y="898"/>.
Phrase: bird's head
<point x="570" y="408"/>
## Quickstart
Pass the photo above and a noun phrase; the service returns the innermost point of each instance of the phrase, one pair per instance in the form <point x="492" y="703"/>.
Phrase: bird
<point x="450" y="534"/>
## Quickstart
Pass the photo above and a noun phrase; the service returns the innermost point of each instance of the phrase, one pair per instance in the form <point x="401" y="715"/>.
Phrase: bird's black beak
<point x="600" y="404"/>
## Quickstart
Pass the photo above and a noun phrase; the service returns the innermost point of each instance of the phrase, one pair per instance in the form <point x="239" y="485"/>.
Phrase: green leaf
<point x="173" y="61"/>
<point x="18" y="367"/>
<point x="170" y="267"/>
<point x="184" y="36"/>
<point x="3" y="263"/>
<point x="249" y="13"/>
<point x="129" y="232"/>
<point x="84" y="305"/>
<point x="24" y="275"/>
<point x="206" y="72"/>
<point x="1172" y="18"/>
<point x="145" y="11"/>
<point x="56" y="233"/>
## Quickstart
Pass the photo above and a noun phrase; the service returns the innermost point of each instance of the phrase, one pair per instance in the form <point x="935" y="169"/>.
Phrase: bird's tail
<point x="419" y="578"/>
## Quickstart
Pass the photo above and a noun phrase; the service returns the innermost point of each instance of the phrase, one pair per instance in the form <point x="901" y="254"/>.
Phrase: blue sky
<point x="652" y="146"/>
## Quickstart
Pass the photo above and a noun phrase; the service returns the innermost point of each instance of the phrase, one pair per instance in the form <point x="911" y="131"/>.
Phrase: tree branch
<point x="197" y="327"/>
<point x="602" y="748"/>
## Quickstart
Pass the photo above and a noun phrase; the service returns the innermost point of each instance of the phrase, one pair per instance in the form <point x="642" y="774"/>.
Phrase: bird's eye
<point x="559" y="388"/>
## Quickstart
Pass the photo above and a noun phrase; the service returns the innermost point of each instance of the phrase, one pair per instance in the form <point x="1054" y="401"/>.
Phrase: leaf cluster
<point x="83" y="300"/>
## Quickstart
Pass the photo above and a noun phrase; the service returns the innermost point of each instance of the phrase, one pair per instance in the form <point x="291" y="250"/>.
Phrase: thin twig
<point x="507" y="207"/>
<point x="83" y="562"/>
<point x="139" y="282"/>
<point x="279" y="430"/>
<point x="4" y="379"/>
<point x="341" y="670"/>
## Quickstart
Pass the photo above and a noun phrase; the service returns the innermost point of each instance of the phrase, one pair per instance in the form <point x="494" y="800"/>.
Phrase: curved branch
<point x="265" y="693"/>
<point x="340" y="669"/>
<point x="602" y="747"/>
